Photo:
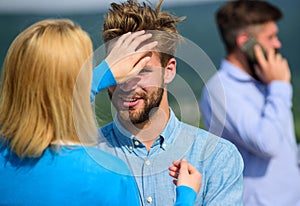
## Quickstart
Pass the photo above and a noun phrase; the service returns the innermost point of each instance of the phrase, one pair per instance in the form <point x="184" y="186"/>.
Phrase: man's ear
<point x="170" y="71"/>
<point x="241" y="39"/>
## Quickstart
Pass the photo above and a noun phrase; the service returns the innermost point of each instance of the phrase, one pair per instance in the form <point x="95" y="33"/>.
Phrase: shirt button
<point x="130" y="147"/>
<point x="149" y="199"/>
<point x="147" y="162"/>
<point x="164" y="145"/>
<point x="136" y="143"/>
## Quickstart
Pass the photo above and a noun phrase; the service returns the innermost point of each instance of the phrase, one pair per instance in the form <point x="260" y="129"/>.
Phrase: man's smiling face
<point x="135" y="98"/>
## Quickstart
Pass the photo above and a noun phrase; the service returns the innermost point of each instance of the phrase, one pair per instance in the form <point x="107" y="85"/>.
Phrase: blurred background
<point x="199" y="27"/>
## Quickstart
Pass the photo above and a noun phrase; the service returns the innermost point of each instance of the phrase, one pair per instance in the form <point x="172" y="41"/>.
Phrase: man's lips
<point x="131" y="101"/>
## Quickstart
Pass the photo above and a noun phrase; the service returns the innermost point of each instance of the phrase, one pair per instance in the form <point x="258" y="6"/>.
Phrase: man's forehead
<point x="270" y="27"/>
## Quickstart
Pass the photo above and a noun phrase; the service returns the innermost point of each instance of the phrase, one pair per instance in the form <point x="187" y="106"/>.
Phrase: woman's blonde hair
<point x="43" y="97"/>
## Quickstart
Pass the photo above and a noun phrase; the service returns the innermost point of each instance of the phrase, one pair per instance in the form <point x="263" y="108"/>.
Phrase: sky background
<point x="199" y="27"/>
<point x="71" y="6"/>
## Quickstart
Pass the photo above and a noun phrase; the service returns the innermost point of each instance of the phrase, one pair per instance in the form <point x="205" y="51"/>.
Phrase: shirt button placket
<point x="147" y="182"/>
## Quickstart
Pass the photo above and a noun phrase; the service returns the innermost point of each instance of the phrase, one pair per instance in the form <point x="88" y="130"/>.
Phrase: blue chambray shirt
<point x="217" y="159"/>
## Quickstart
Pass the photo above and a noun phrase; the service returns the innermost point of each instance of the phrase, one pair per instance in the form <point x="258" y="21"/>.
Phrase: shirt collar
<point x="172" y="125"/>
<point x="124" y="137"/>
<point x="128" y="140"/>
<point x="234" y="72"/>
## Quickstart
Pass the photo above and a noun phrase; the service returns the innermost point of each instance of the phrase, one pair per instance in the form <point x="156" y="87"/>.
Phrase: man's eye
<point x="143" y="71"/>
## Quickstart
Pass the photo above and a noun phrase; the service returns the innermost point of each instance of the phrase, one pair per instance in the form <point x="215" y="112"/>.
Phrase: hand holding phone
<point x="274" y="68"/>
<point x="266" y="67"/>
<point x="248" y="48"/>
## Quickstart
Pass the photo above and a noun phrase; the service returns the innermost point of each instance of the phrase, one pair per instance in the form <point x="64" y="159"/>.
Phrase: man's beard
<point x="151" y="104"/>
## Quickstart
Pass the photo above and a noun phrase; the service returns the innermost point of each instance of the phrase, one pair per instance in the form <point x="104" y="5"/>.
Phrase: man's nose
<point x="129" y="85"/>
<point x="276" y="43"/>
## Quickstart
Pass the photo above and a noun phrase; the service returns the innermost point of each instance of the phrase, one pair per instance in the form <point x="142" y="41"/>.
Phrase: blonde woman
<point x="47" y="126"/>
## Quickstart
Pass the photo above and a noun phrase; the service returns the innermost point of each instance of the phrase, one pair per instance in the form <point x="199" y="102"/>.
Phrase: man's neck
<point x="240" y="61"/>
<point x="148" y="131"/>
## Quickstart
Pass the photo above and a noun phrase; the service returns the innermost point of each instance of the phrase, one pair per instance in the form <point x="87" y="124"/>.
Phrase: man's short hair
<point x="132" y="16"/>
<point x="236" y="16"/>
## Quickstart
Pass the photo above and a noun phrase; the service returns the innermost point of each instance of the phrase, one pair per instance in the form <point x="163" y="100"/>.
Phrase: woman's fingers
<point x="186" y="174"/>
<point x="130" y="54"/>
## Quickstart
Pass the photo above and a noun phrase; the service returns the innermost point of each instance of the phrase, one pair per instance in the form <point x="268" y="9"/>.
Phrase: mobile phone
<point x="248" y="48"/>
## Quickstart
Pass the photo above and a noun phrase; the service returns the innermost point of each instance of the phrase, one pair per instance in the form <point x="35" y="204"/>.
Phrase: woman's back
<point x="75" y="176"/>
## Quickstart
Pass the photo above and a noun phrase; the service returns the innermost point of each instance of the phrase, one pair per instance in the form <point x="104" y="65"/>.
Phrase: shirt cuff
<point x="102" y="78"/>
<point x="281" y="89"/>
<point x="185" y="196"/>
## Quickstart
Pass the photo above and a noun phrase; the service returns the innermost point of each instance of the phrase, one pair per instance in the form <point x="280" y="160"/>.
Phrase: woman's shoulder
<point x="97" y="158"/>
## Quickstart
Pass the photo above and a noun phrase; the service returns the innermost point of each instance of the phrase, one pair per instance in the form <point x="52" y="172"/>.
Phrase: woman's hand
<point x="129" y="54"/>
<point x="185" y="174"/>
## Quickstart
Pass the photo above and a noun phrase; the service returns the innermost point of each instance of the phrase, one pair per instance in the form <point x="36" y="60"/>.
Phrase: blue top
<point x="217" y="159"/>
<point x="75" y="175"/>
<point x="257" y="118"/>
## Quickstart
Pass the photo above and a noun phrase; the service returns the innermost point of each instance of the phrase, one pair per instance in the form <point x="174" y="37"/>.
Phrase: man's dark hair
<point x="235" y="16"/>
